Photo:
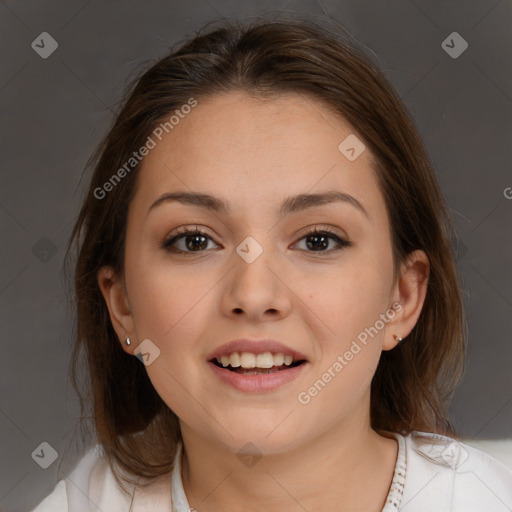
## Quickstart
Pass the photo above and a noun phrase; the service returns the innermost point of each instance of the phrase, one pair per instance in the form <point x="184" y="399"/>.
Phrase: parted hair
<point x="413" y="383"/>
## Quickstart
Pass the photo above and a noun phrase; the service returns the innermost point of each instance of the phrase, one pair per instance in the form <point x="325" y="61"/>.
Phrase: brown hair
<point x="414" y="382"/>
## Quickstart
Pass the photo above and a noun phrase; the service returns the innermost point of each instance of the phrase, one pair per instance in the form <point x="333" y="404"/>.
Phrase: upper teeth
<point x="248" y="360"/>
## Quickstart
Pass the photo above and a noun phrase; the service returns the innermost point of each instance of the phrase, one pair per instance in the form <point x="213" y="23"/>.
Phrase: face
<point x="258" y="272"/>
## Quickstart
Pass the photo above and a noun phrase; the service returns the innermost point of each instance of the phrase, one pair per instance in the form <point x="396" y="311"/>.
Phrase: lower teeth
<point x="257" y="371"/>
<point x="254" y="372"/>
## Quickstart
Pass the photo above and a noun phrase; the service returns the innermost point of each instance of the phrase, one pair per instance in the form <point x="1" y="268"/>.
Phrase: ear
<point x="409" y="292"/>
<point x="121" y="316"/>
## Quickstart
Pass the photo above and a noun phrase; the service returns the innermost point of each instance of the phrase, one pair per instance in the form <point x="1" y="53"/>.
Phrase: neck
<point x="345" y="469"/>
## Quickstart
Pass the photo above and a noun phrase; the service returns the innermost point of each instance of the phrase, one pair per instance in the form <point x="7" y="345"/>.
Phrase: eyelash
<point x="342" y="243"/>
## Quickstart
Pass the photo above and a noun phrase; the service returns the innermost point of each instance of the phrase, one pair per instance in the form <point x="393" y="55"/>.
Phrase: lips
<point x="256" y="365"/>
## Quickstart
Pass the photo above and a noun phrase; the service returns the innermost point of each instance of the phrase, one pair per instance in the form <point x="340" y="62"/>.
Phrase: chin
<point x="258" y="436"/>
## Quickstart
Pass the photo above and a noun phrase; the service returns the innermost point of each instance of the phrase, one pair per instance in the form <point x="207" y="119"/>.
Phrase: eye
<point x="195" y="240"/>
<point x="319" y="239"/>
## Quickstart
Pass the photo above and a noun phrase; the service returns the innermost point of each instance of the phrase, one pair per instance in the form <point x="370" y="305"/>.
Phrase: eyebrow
<point x="290" y="205"/>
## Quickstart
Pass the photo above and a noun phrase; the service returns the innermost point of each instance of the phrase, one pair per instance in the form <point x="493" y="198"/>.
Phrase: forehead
<point x="257" y="151"/>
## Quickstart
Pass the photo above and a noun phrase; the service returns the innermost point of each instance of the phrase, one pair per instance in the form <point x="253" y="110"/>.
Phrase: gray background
<point x="54" y="111"/>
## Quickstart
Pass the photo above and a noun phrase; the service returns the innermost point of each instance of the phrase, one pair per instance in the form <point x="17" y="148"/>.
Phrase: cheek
<point x="352" y="294"/>
<point x="347" y="311"/>
<point x="173" y="299"/>
<point x="166" y="297"/>
<point x="170" y="309"/>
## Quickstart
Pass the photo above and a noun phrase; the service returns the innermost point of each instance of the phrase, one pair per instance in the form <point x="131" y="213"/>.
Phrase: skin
<point x="254" y="153"/>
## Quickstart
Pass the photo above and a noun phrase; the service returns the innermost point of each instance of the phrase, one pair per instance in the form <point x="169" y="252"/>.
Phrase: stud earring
<point x="398" y="339"/>
<point x="128" y="342"/>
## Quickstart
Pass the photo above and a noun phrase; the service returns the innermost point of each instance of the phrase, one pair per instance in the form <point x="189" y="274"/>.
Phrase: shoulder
<point x="57" y="501"/>
<point x="443" y="473"/>
<point x="72" y="492"/>
<point x="92" y="481"/>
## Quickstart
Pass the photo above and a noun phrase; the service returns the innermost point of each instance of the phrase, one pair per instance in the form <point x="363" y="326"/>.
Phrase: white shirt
<point x="433" y="473"/>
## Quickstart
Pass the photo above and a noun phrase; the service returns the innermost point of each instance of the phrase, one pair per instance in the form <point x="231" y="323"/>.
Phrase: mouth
<point x="247" y="363"/>
<point x="256" y="366"/>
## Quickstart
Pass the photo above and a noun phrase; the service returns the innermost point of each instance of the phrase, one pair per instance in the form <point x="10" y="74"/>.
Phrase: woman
<point x="267" y="296"/>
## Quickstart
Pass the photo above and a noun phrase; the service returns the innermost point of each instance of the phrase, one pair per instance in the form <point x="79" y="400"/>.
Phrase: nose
<point x="256" y="287"/>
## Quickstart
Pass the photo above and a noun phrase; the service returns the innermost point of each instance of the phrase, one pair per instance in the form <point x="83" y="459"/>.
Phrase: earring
<point x="398" y="339"/>
<point x="128" y="342"/>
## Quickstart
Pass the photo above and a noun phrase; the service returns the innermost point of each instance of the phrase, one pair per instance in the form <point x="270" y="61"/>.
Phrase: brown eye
<point x="317" y="240"/>
<point x="191" y="241"/>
